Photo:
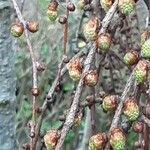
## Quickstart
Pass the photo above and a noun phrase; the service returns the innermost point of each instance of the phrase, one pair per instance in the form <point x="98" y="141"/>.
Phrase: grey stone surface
<point x="142" y="14"/>
<point x="7" y="80"/>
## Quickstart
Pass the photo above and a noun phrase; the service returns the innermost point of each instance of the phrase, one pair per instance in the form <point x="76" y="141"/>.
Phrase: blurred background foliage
<point x="48" y="46"/>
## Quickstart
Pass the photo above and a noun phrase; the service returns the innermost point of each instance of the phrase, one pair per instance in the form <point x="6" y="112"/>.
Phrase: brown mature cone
<point x="40" y="66"/>
<point x="74" y="74"/>
<point x="62" y="19"/>
<point x="117" y="139"/>
<point x="131" y="109"/>
<point x="33" y="26"/>
<point x="51" y="139"/>
<point x="131" y="57"/>
<point x="109" y="103"/>
<point x="104" y="42"/>
<point x="97" y="142"/>
<point x="74" y="68"/>
<point x="91" y="78"/>
<point x="17" y="29"/>
<point x="138" y="126"/>
<point x="70" y="6"/>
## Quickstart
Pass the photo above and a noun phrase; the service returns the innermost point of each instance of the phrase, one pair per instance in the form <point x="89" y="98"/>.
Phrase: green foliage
<point x="43" y="3"/>
<point x="24" y="111"/>
<point x="68" y="86"/>
<point x="44" y="50"/>
<point x="70" y="136"/>
<point x="56" y="124"/>
<point x="131" y="138"/>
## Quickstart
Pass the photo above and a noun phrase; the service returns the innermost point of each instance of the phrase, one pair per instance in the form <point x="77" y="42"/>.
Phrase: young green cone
<point x="104" y="42"/>
<point x="17" y="29"/>
<point x="52" y="11"/>
<point x="131" y="58"/>
<point x="97" y="141"/>
<point x="109" y="103"/>
<point x="74" y="74"/>
<point x="91" y="78"/>
<point x="140" y="71"/>
<point x="145" y="49"/>
<point x="131" y="109"/>
<point x="126" y="6"/>
<point x="90" y="29"/>
<point x="117" y="139"/>
<point x="51" y="139"/>
<point x="74" y="68"/>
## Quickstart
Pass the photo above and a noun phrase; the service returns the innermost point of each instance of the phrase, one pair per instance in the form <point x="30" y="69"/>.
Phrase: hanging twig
<point x="34" y="69"/>
<point x="66" y="30"/>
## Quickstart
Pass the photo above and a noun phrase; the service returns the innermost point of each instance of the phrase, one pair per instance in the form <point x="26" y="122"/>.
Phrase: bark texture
<point x="7" y="80"/>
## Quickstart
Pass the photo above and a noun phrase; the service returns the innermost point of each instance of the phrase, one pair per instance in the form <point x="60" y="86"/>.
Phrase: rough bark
<point x="7" y="81"/>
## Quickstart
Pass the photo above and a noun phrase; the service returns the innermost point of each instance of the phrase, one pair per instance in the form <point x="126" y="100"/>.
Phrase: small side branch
<point x="122" y="99"/>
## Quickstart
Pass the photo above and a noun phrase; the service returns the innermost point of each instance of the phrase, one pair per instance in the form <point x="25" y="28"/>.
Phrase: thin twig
<point x="60" y="73"/>
<point x="21" y="19"/>
<point x="122" y="99"/>
<point x="66" y="30"/>
<point x="44" y="107"/>
<point x="34" y="69"/>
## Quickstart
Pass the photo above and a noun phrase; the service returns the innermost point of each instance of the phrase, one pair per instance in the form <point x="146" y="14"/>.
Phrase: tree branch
<point x="70" y="117"/>
<point x="49" y="98"/>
